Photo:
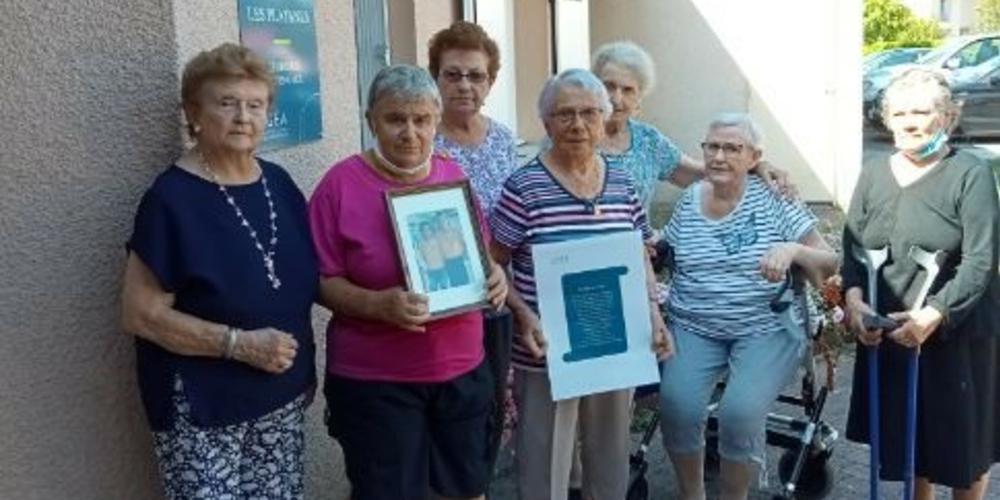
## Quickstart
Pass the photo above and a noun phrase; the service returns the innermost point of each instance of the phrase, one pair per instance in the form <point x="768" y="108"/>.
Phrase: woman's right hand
<point x="266" y="349"/>
<point x="857" y="309"/>
<point x="406" y="310"/>
<point x="529" y="329"/>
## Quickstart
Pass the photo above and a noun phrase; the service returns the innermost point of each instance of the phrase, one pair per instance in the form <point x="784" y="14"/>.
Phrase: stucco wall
<point x="89" y="117"/>
<point x="792" y="65"/>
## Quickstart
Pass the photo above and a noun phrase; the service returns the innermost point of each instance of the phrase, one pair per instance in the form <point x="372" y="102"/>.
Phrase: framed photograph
<point x="440" y="244"/>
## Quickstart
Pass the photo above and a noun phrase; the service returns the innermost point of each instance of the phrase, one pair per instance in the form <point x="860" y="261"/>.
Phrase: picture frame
<point x="441" y="249"/>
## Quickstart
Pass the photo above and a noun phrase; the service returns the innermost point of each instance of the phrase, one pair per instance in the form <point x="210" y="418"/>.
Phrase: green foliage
<point x="989" y="15"/>
<point x="889" y="24"/>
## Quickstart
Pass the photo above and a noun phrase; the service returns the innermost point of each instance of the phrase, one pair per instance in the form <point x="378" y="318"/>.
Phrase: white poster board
<point x="594" y="310"/>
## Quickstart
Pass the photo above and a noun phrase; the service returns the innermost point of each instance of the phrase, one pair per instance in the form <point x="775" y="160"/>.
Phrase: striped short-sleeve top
<point x="717" y="289"/>
<point x="534" y="208"/>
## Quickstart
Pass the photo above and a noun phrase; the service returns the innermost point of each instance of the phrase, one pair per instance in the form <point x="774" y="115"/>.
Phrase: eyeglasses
<point x="234" y="106"/>
<point x="567" y="116"/>
<point x="727" y="148"/>
<point x="455" y="76"/>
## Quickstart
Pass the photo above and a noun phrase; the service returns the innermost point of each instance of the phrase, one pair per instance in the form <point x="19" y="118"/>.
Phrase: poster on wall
<point x="284" y="33"/>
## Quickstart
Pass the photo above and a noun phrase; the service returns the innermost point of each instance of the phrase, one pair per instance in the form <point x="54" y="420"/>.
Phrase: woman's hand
<point x="856" y="311"/>
<point x="529" y="328"/>
<point x="777" y="179"/>
<point x="496" y="286"/>
<point x="663" y="340"/>
<point x="915" y="327"/>
<point x="406" y="310"/>
<point x="778" y="259"/>
<point x="266" y="349"/>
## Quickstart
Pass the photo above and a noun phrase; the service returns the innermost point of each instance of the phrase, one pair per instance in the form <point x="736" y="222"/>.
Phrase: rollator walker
<point x="808" y="441"/>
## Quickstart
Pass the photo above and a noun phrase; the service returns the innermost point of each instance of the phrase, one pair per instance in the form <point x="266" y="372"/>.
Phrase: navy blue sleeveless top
<point x="191" y="239"/>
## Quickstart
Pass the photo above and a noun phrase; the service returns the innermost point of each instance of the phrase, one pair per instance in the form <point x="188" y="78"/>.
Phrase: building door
<point x="372" y="39"/>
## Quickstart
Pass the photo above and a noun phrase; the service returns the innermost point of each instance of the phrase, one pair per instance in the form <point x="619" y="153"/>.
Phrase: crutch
<point x="931" y="263"/>
<point x="873" y="259"/>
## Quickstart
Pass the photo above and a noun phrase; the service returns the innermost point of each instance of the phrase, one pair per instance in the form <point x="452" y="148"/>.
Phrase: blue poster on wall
<point x="284" y="33"/>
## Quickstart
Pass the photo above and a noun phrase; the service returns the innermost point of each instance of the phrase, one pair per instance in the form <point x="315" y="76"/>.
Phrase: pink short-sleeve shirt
<point x="354" y="239"/>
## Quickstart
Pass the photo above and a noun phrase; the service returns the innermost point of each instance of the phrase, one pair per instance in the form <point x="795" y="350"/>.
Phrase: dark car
<point x="962" y="59"/>
<point x="980" y="98"/>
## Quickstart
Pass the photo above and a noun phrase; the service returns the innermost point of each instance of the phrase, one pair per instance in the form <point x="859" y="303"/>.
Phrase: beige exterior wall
<point x="413" y="22"/>
<point x="797" y="77"/>
<point x="89" y="117"/>
<point x="533" y="63"/>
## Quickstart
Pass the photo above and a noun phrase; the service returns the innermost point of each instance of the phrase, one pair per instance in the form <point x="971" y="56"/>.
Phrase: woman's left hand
<point x="915" y="326"/>
<point x="777" y="179"/>
<point x="778" y="259"/>
<point x="663" y="341"/>
<point x="496" y="286"/>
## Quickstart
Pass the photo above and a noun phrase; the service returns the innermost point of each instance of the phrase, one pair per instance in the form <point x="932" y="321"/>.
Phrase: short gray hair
<point x="924" y="79"/>
<point x="742" y="122"/>
<point x="577" y="78"/>
<point x="630" y="56"/>
<point x="404" y="81"/>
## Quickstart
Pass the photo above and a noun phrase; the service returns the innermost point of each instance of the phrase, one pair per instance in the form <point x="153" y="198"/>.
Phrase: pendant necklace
<point x="266" y="255"/>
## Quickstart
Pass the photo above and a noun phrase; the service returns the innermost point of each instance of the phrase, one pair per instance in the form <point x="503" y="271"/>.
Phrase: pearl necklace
<point x="268" y="255"/>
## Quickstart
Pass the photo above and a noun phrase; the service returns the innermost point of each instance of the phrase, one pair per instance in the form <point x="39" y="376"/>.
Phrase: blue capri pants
<point x="758" y="367"/>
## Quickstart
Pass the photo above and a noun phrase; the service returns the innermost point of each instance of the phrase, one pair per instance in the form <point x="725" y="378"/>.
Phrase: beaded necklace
<point x="266" y="255"/>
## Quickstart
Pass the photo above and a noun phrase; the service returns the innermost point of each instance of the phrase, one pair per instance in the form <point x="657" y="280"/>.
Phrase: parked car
<point x="962" y="58"/>
<point x="892" y="57"/>
<point x="980" y="98"/>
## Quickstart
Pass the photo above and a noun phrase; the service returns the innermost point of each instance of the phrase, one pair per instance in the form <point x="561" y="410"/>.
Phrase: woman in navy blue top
<point x="220" y="280"/>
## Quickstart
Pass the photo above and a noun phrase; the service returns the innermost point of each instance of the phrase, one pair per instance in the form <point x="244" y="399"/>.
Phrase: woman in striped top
<point x="733" y="240"/>
<point x="568" y="192"/>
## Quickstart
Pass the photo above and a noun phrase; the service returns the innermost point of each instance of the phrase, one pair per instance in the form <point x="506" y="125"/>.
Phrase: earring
<point x="196" y="128"/>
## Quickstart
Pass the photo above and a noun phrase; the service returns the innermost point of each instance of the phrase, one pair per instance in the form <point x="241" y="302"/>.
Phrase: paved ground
<point x="849" y="461"/>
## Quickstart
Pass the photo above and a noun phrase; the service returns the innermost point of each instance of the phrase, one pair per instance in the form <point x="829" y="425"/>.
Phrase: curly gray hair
<point x="630" y="56"/>
<point x="922" y="79"/>
<point x="577" y="78"/>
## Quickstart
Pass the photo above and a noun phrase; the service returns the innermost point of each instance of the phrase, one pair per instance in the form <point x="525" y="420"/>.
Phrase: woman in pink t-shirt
<point x="409" y="397"/>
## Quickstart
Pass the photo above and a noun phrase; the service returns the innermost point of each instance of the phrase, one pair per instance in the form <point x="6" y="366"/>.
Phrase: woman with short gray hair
<point x="409" y="396"/>
<point x="733" y="242"/>
<point x="628" y="72"/>
<point x="567" y="192"/>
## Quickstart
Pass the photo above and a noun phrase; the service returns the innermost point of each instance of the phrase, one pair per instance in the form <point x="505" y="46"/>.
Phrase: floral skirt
<point x="259" y="459"/>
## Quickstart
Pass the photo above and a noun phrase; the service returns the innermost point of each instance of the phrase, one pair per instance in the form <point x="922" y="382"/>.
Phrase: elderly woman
<point x="568" y="192"/>
<point x="219" y="282"/>
<point x="410" y="397"/>
<point x="628" y="72"/>
<point x="934" y="197"/>
<point x="464" y="61"/>
<point x="733" y="240"/>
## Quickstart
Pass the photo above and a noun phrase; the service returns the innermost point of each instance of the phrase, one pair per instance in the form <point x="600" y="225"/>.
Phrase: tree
<point x="889" y="24"/>
<point x="989" y="15"/>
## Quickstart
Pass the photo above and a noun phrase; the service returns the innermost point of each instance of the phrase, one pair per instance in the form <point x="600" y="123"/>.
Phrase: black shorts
<point x="402" y="441"/>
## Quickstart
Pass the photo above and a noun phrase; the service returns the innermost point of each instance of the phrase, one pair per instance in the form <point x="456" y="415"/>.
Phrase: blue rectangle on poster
<point x="284" y="33"/>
